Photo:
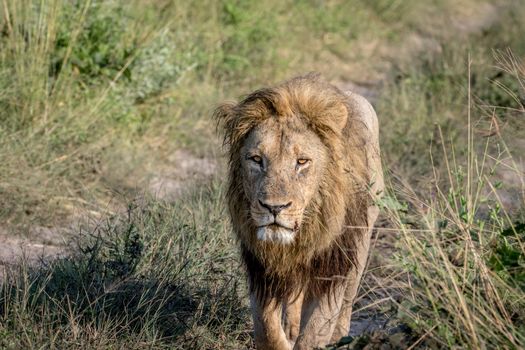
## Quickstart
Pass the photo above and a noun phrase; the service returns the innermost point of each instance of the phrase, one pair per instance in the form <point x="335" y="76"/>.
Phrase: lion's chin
<point x="274" y="233"/>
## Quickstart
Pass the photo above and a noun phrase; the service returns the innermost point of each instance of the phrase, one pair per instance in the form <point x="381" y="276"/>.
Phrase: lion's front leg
<point x="342" y="329"/>
<point x="319" y="318"/>
<point x="292" y="317"/>
<point x="268" y="332"/>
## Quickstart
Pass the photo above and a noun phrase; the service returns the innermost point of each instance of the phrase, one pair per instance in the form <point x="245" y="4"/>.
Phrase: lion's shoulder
<point x="361" y="108"/>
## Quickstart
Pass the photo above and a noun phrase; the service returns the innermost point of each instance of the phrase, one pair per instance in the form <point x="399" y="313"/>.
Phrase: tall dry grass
<point x="461" y="244"/>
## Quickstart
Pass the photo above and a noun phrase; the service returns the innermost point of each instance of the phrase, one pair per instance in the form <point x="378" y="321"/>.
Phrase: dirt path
<point x="40" y="243"/>
<point x="181" y="170"/>
<point x="385" y="56"/>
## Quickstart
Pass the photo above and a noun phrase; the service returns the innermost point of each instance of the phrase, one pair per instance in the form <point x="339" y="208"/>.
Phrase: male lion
<point x="304" y="172"/>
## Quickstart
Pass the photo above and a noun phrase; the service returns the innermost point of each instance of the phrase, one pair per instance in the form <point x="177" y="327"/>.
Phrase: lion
<point x="304" y="177"/>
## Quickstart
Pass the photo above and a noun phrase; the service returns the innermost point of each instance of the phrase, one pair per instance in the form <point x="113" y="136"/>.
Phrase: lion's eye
<point x="302" y="161"/>
<point x="256" y="159"/>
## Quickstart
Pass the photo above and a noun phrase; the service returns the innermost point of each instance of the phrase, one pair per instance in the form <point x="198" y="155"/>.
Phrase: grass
<point x="95" y="95"/>
<point x="434" y="91"/>
<point x="460" y="244"/>
<point x="159" y="276"/>
<point x="92" y="103"/>
<point x="462" y="248"/>
<point x="463" y="254"/>
<point x="457" y="275"/>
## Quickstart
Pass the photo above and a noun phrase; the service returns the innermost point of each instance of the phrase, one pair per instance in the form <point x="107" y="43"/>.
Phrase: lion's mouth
<point x="275" y="233"/>
<point x="275" y="226"/>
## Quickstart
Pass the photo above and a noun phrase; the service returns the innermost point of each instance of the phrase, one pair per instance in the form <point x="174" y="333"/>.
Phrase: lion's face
<point x="282" y="167"/>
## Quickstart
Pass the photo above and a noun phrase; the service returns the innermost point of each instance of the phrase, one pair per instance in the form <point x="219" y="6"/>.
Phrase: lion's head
<point x="297" y="174"/>
<point x="282" y="164"/>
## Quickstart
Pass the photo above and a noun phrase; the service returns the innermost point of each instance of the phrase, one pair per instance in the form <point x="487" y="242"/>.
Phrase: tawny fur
<point x="332" y="241"/>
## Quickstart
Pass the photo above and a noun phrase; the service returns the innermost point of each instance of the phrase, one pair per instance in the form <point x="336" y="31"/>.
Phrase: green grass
<point x="95" y="95"/>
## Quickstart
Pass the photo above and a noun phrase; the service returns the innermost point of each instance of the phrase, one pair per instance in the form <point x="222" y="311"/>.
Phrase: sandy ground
<point x="40" y="243"/>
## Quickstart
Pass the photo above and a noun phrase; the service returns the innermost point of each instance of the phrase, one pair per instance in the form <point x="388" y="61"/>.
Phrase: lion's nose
<point x="275" y="209"/>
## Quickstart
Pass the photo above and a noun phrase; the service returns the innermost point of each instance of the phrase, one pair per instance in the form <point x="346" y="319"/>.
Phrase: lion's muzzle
<point x="273" y="222"/>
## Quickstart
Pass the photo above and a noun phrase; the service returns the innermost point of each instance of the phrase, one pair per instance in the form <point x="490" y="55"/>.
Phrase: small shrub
<point x="97" y="47"/>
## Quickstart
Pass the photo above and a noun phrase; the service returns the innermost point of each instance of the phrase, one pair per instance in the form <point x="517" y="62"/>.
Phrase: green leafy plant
<point x="96" y="47"/>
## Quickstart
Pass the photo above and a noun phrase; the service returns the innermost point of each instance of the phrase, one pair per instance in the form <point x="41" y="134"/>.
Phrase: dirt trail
<point x="41" y="242"/>
<point x="181" y="170"/>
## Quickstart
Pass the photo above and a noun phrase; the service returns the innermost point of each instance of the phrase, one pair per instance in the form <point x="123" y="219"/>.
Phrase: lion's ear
<point x="224" y="116"/>
<point x="224" y="112"/>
